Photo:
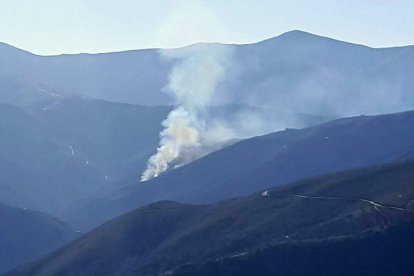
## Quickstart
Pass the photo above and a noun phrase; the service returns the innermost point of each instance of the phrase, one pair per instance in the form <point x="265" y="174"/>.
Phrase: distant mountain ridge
<point x="283" y="72"/>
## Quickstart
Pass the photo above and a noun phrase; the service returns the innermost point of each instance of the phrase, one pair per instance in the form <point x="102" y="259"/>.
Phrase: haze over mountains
<point x="297" y="72"/>
<point x="77" y="131"/>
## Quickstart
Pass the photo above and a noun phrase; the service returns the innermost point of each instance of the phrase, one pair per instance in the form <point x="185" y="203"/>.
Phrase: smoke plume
<point x="193" y="81"/>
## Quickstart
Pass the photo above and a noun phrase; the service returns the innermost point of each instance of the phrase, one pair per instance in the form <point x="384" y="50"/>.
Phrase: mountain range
<point x="296" y="72"/>
<point x="311" y="175"/>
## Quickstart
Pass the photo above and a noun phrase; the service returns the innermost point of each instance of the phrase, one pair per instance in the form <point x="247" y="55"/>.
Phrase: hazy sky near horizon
<point x="50" y="27"/>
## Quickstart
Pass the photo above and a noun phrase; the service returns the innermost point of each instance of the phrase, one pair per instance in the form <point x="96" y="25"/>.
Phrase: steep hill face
<point x="34" y="164"/>
<point x="296" y="71"/>
<point x="51" y="159"/>
<point x="26" y="235"/>
<point x="346" y="209"/>
<point x="267" y="161"/>
<point x="115" y="138"/>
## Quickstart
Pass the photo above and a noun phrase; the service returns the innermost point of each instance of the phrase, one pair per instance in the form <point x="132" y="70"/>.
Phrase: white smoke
<point x="193" y="81"/>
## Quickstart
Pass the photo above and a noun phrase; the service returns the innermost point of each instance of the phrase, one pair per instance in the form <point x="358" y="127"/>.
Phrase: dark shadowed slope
<point x="270" y="160"/>
<point x="386" y="254"/>
<point x="52" y="158"/>
<point x="301" y="218"/>
<point x="280" y="72"/>
<point x="115" y="138"/>
<point x="26" y="235"/>
<point x="37" y="172"/>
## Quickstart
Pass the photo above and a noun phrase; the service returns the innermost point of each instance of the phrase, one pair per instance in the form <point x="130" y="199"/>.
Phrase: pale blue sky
<point x="72" y="26"/>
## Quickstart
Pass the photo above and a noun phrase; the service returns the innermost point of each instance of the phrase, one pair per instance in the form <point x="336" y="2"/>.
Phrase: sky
<point x="49" y="27"/>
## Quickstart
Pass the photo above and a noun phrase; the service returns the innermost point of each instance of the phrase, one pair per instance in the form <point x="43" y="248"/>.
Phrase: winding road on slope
<point x="375" y="204"/>
<point x="288" y="237"/>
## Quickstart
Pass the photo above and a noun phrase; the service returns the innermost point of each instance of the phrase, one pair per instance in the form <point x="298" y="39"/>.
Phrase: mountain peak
<point x="298" y="35"/>
<point x="300" y="38"/>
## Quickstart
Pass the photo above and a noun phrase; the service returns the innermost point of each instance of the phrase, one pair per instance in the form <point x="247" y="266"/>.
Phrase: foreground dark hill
<point x="295" y="71"/>
<point x="26" y="235"/>
<point x="345" y="210"/>
<point x="271" y="160"/>
<point x="387" y="254"/>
